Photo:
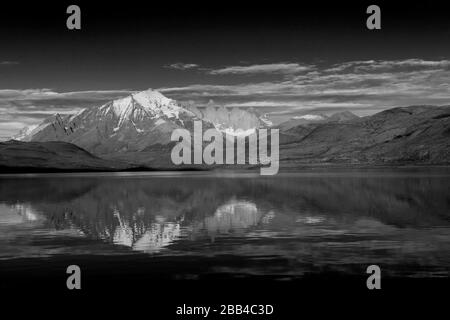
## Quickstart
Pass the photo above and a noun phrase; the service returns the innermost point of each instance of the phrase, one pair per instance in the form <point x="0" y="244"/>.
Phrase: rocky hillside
<point x="17" y="156"/>
<point x="417" y="135"/>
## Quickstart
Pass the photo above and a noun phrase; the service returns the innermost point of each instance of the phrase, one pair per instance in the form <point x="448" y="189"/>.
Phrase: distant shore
<point x="244" y="169"/>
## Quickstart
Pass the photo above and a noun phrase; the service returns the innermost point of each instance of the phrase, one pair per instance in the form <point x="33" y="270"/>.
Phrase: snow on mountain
<point x="146" y="103"/>
<point x="26" y="131"/>
<point x="135" y="122"/>
<point x="128" y="124"/>
<point x="238" y="132"/>
<point x="314" y="119"/>
<point x="302" y="120"/>
<point x="233" y="121"/>
<point x="310" y="117"/>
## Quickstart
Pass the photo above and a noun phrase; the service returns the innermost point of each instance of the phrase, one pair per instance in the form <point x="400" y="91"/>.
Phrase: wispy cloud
<point x="385" y="65"/>
<point x="8" y="63"/>
<point x="46" y="94"/>
<point x="182" y="66"/>
<point x="357" y="85"/>
<point x="268" y="68"/>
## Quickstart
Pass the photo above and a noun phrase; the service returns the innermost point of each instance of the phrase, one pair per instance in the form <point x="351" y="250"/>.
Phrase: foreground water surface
<point x="287" y="226"/>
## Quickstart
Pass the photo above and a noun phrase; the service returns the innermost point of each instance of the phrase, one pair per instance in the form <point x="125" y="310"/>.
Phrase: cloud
<point x="386" y="65"/>
<point x="8" y="63"/>
<point x="182" y="66"/>
<point x="263" y="104"/>
<point x="274" y="68"/>
<point x="364" y="85"/>
<point x="268" y="68"/>
<point x="45" y="93"/>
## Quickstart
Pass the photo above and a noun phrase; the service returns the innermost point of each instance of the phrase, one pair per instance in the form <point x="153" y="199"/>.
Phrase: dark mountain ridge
<point x="18" y="156"/>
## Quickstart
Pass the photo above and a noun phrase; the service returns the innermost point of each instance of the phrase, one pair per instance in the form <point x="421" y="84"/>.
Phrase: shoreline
<point x="313" y="168"/>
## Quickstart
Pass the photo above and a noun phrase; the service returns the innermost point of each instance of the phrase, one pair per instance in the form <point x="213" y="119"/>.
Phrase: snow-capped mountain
<point x="127" y="124"/>
<point x="342" y="116"/>
<point x="232" y="121"/>
<point x="302" y="120"/>
<point x="134" y="123"/>
<point x="26" y="131"/>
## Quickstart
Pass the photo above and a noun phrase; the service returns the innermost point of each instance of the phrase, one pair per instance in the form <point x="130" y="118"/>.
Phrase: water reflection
<point x="309" y="221"/>
<point x="19" y="213"/>
<point x="232" y="216"/>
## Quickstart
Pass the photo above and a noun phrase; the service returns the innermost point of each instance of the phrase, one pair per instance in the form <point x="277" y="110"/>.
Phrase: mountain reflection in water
<point x="296" y="224"/>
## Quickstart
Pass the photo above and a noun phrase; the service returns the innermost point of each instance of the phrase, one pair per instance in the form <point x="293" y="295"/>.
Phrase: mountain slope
<point x="342" y="116"/>
<point x="50" y="156"/>
<point x="128" y="124"/>
<point x="135" y="123"/>
<point x="302" y="120"/>
<point x="417" y="134"/>
<point x="316" y="118"/>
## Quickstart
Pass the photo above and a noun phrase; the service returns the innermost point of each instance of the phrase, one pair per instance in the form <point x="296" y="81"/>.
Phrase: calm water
<point x="286" y="226"/>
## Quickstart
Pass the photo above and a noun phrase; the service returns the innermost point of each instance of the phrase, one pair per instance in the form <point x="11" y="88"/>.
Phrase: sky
<point x="283" y="58"/>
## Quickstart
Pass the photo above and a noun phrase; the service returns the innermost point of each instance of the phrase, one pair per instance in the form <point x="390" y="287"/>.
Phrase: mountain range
<point x="403" y="135"/>
<point x="316" y="119"/>
<point x="135" y="123"/>
<point x="135" y="131"/>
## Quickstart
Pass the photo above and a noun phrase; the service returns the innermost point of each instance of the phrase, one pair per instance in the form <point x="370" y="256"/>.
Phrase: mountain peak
<point x="128" y="123"/>
<point x="151" y="101"/>
<point x="343" y="116"/>
<point x="150" y="96"/>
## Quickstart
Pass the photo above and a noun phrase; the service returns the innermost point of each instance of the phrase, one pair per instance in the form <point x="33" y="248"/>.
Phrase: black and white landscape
<point x="135" y="132"/>
<point x="87" y="179"/>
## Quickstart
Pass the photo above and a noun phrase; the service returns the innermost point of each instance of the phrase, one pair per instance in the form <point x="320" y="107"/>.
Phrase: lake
<point x="238" y="225"/>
